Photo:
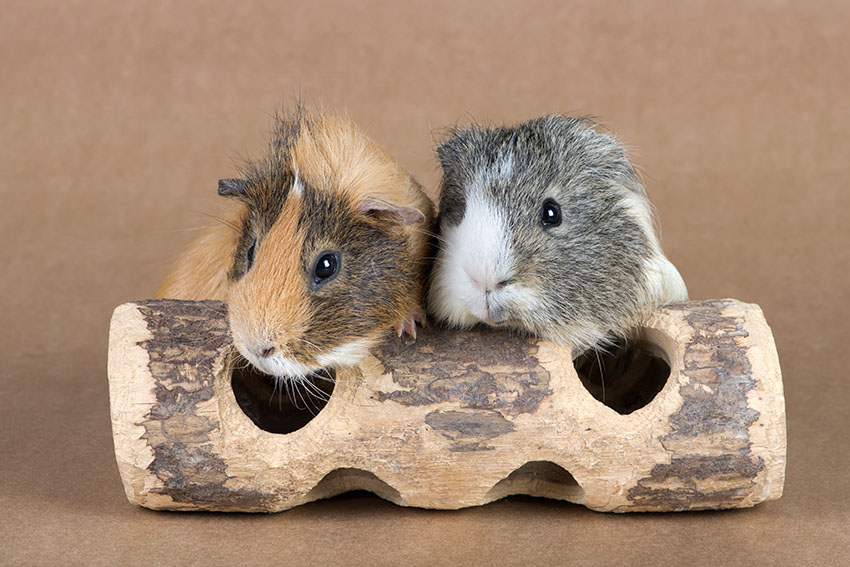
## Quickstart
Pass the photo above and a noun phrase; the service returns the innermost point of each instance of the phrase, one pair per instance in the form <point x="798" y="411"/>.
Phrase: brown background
<point x="118" y="118"/>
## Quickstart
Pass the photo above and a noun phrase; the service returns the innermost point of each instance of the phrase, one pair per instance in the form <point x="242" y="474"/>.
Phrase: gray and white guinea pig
<point x="328" y="252"/>
<point x="545" y="227"/>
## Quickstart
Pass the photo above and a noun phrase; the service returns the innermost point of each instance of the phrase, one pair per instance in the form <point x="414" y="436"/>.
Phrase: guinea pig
<point x="323" y="253"/>
<point x="546" y="228"/>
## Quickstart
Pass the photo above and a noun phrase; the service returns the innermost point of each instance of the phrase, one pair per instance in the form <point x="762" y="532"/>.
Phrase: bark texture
<point x="453" y="419"/>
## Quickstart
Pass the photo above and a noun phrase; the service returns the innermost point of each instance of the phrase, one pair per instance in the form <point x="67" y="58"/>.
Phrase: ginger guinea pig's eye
<point x="550" y="214"/>
<point x="249" y="255"/>
<point x="326" y="268"/>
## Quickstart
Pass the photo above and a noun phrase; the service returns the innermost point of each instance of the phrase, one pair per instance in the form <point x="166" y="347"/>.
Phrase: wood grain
<point x="453" y="419"/>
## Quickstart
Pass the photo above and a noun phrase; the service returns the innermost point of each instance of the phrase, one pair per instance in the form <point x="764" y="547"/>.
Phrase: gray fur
<point x="589" y="273"/>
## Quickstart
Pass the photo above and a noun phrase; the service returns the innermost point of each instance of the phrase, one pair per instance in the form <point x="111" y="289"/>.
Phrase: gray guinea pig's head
<point x="545" y="227"/>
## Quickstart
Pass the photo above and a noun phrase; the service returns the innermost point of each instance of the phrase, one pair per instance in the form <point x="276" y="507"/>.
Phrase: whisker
<point x="431" y="234"/>
<point x="305" y="341"/>
<point x="301" y="395"/>
<point x="236" y="228"/>
<point x="601" y="374"/>
<point x="325" y="378"/>
<point x="316" y="391"/>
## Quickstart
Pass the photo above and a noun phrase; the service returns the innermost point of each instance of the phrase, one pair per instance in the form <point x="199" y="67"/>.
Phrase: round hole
<point x="539" y="479"/>
<point x="280" y="405"/>
<point x="348" y="480"/>
<point x="626" y="376"/>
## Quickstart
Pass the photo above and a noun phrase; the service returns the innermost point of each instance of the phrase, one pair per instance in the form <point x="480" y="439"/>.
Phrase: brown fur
<point x="354" y="199"/>
<point x="201" y="270"/>
<point x="275" y="275"/>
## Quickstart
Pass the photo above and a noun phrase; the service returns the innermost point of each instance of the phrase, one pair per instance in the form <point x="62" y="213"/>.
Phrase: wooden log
<point x="693" y="417"/>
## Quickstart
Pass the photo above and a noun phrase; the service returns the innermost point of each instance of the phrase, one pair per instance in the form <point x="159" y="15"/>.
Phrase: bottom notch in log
<point x="688" y="416"/>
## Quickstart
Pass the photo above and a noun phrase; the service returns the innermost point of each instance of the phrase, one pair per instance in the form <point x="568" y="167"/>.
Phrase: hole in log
<point x="280" y="406"/>
<point x="539" y="478"/>
<point x="340" y="481"/>
<point x="625" y="377"/>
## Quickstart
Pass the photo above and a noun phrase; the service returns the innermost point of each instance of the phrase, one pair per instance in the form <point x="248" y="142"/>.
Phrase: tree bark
<point x="453" y="419"/>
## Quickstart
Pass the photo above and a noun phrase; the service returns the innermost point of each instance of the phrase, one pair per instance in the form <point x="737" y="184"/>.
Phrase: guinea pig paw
<point x="420" y="318"/>
<point x="408" y="326"/>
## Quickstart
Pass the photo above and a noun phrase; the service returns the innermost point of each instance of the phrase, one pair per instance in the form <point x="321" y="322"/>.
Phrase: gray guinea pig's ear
<point x="231" y="187"/>
<point x="449" y="152"/>
<point x="392" y="212"/>
<point x="460" y="151"/>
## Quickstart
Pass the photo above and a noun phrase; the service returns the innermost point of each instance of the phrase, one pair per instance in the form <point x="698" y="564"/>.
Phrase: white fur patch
<point x="664" y="283"/>
<point x="345" y="354"/>
<point x="279" y="365"/>
<point x="474" y="257"/>
<point x="505" y="165"/>
<point x="297" y="184"/>
<point x="637" y="206"/>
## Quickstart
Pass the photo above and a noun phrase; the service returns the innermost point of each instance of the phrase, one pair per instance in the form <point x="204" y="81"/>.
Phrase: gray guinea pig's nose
<point x="497" y="317"/>
<point x="495" y="312"/>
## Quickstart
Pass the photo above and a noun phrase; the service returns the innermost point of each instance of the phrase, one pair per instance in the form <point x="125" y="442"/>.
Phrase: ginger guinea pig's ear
<point x="231" y="187"/>
<point x="395" y="213"/>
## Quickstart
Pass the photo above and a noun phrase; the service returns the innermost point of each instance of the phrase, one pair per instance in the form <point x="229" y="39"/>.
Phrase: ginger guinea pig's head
<point x="323" y="266"/>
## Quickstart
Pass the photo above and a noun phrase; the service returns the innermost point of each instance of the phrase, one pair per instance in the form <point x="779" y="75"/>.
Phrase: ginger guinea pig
<point x="545" y="227"/>
<point x="324" y="253"/>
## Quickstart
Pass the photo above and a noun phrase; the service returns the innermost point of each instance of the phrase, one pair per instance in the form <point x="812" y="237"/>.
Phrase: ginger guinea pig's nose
<point x="267" y="352"/>
<point x="260" y="350"/>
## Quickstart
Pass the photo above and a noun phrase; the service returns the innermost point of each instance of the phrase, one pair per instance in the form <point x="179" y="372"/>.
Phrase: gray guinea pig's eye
<point x="550" y="214"/>
<point x="326" y="268"/>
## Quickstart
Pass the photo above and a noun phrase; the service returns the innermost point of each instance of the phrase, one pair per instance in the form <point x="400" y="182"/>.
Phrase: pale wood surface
<point x="452" y="420"/>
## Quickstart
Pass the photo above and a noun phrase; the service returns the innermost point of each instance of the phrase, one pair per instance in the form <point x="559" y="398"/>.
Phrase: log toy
<point x="689" y="416"/>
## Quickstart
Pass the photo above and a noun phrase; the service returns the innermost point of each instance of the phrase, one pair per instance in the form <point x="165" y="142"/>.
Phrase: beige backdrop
<point x="119" y="117"/>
